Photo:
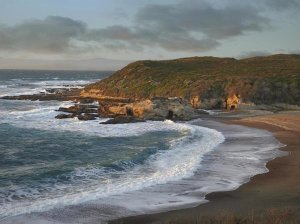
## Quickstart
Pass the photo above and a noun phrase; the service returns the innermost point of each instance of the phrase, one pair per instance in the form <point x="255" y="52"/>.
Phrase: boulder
<point x="160" y="108"/>
<point x="87" y="117"/>
<point x="79" y="109"/>
<point x="72" y="109"/>
<point x="123" y="120"/>
<point x="64" y="116"/>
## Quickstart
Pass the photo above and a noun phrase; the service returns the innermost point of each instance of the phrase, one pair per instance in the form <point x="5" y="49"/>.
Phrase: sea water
<point x="65" y="170"/>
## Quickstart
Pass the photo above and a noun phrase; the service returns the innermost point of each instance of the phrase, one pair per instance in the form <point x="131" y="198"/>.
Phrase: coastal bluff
<point x="207" y="82"/>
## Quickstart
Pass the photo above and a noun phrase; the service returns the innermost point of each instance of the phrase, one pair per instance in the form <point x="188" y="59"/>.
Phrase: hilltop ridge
<point x="259" y="80"/>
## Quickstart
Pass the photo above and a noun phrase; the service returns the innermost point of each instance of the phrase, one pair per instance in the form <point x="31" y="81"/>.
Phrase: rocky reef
<point x="81" y="111"/>
<point x="50" y="94"/>
<point x="151" y="109"/>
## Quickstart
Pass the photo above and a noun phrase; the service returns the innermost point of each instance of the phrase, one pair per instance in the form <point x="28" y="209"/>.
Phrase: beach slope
<point x="273" y="195"/>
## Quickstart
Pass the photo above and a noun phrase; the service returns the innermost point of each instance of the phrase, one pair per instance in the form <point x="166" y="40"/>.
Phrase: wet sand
<point x="277" y="189"/>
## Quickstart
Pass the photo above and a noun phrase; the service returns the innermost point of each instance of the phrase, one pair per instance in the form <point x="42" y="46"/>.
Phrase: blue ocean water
<point x="16" y="82"/>
<point x="48" y="164"/>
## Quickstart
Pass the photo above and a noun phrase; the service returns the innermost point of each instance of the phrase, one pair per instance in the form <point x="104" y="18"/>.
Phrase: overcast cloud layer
<point x="186" y="26"/>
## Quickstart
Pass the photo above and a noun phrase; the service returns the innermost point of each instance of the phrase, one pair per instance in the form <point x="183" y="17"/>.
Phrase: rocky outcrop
<point x="167" y="108"/>
<point x="111" y="108"/>
<point x="232" y="102"/>
<point x="155" y="109"/>
<point x="213" y="103"/>
<point x="195" y="102"/>
<point x="64" y="116"/>
<point x="87" y="117"/>
<point x="123" y="120"/>
<point x="81" y="111"/>
<point x="158" y="108"/>
<point x="143" y="109"/>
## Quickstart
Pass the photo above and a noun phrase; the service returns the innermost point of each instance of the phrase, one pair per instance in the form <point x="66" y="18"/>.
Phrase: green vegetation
<point x="262" y="80"/>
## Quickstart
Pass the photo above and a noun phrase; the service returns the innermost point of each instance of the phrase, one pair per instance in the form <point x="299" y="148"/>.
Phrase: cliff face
<point x="206" y="81"/>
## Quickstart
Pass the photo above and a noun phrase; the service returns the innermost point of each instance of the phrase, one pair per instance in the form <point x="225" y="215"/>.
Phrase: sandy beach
<point x="272" y="197"/>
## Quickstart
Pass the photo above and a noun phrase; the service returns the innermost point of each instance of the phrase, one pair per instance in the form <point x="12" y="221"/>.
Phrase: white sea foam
<point x="15" y="87"/>
<point x="42" y="116"/>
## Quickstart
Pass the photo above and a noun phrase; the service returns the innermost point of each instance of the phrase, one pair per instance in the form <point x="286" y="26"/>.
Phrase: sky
<point x="108" y="34"/>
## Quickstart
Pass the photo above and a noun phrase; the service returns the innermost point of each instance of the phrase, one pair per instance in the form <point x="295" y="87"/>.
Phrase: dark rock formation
<point x="87" y="117"/>
<point x="64" y="116"/>
<point x="79" y="109"/>
<point x="83" y="112"/>
<point x="123" y="120"/>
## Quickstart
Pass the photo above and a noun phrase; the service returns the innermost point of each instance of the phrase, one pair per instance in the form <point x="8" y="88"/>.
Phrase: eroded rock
<point x="158" y="108"/>
<point x="232" y="102"/>
<point x="195" y="102"/>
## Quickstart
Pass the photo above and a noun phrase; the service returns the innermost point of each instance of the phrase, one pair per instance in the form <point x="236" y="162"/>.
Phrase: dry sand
<point x="279" y="188"/>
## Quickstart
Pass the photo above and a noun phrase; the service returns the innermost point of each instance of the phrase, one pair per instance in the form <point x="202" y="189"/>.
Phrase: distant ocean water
<point x="48" y="164"/>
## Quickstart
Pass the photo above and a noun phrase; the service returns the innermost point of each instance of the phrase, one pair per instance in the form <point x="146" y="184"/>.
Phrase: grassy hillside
<point x="262" y="80"/>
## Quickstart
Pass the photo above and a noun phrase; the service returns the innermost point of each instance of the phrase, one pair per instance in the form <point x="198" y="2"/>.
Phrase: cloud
<point x="194" y="16"/>
<point x="85" y="65"/>
<point x="186" y="26"/>
<point x="51" y="35"/>
<point x="250" y="54"/>
<point x="283" y="4"/>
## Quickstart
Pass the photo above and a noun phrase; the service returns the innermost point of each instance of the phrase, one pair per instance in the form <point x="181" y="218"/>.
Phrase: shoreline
<point x="265" y="190"/>
<point x="277" y="189"/>
<point x="92" y="208"/>
<point x="220" y="200"/>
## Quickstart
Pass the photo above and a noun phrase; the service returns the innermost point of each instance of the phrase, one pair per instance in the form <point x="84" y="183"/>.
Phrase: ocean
<point x="72" y="171"/>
